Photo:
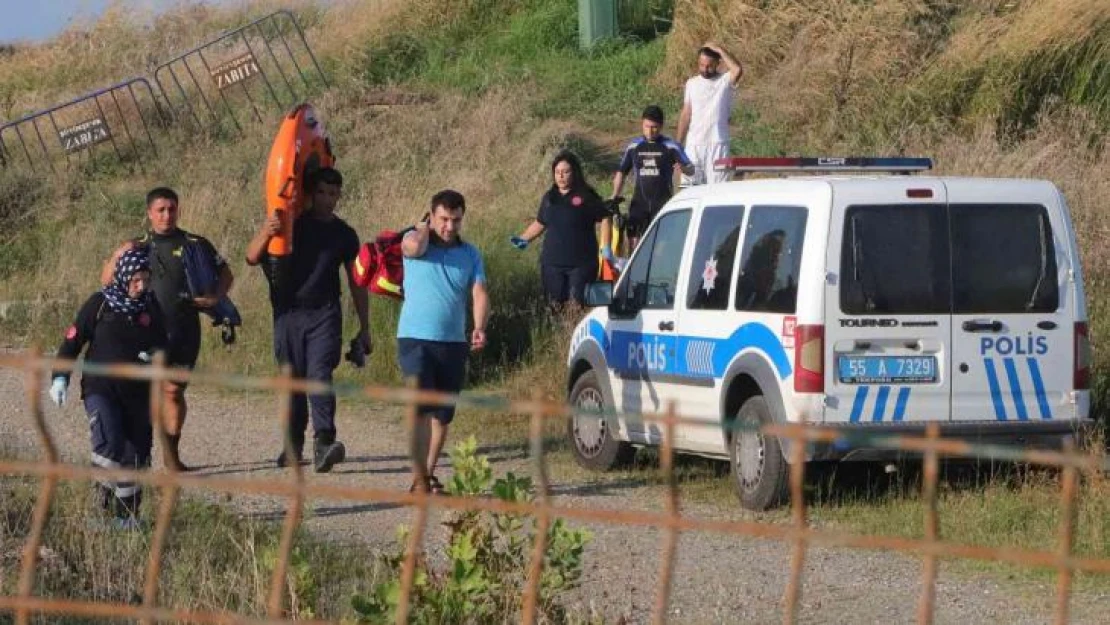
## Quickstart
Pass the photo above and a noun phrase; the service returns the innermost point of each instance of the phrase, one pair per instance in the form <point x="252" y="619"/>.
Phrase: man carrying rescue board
<point x="167" y="245"/>
<point x="308" y="321"/>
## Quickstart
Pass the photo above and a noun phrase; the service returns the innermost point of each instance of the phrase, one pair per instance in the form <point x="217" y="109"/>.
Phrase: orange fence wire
<point x="670" y="522"/>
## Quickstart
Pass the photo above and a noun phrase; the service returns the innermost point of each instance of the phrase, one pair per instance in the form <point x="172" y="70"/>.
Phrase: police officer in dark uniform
<point x="122" y="323"/>
<point x="653" y="157"/>
<point x="308" y="321"/>
<point x="167" y="243"/>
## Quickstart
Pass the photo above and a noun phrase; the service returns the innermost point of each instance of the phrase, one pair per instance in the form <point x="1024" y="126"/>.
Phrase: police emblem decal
<point x="709" y="276"/>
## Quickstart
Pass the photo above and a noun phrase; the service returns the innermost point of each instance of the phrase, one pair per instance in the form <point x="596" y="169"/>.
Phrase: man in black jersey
<point x="166" y="244"/>
<point x="654" y="158"/>
<point x="308" y="319"/>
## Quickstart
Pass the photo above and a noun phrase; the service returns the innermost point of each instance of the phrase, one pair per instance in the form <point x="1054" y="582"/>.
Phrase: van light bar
<point x="823" y="163"/>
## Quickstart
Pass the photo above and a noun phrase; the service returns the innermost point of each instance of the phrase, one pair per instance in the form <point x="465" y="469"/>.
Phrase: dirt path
<point x="718" y="579"/>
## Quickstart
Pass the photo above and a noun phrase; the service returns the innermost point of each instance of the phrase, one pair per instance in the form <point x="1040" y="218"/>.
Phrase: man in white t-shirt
<point x="707" y="103"/>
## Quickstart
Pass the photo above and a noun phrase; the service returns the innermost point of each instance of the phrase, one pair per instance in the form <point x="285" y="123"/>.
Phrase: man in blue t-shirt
<point x="308" y="317"/>
<point x="441" y="270"/>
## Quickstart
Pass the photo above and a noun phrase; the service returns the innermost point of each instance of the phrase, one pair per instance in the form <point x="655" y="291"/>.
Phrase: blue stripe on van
<point x="1038" y="387"/>
<point x="857" y="405"/>
<point x="880" y="404"/>
<point x="996" y="391"/>
<point x="1015" y="389"/>
<point x="900" y="403"/>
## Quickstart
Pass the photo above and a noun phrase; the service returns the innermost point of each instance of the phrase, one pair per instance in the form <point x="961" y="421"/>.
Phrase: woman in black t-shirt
<point x="569" y="213"/>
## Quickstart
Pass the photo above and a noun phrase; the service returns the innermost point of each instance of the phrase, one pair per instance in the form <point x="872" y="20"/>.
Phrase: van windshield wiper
<point x="857" y="267"/>
<point x="1043" y="275"/>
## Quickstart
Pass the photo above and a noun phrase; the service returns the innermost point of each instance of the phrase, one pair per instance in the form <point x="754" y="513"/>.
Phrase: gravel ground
<point x="718" y="579"/>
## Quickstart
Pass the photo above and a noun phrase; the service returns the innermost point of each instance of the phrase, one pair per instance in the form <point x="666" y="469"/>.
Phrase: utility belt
<point x="313" y="304"/>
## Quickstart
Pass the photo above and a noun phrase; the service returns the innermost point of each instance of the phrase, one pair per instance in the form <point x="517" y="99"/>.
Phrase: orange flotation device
<point x="300" y="147"/>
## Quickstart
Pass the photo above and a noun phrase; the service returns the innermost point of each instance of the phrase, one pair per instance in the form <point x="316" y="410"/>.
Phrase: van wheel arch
<point x="741" y="388"/>
<point x="580" y="368"/>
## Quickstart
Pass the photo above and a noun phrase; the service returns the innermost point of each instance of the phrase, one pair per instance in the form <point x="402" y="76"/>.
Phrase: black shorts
<point x="637" y="224"/>
<point x="184" y="346"/>
<point x="437" y="366"/>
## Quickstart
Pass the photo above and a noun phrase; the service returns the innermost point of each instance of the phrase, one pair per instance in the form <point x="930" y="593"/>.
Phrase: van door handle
<point x="666" y="326"/>
<point x="982" y="326"/>
<point x="1047" y="325"/>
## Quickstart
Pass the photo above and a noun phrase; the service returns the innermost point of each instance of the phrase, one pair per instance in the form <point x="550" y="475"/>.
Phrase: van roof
<point x="808" y="184"/>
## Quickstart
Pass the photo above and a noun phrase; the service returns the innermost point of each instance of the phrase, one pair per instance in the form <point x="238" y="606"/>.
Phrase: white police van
<point x="868" y="302"/>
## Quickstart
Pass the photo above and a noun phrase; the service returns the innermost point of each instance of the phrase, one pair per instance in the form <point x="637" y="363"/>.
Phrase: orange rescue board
<point x="300" y="147"/>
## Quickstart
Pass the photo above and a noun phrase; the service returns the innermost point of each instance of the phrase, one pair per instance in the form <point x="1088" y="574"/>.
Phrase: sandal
<point x="434" y="487"/>
<point x="431" y="485"/>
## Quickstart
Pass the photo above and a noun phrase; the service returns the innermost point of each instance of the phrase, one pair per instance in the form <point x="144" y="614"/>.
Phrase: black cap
<point x="653" y="113"/>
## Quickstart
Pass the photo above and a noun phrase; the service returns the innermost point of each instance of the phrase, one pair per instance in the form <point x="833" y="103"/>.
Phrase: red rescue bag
<point x="380" y="265"/>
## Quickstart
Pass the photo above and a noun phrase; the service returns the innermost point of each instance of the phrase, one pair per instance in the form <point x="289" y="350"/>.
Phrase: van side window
<point x="652" y="280"/>
<point x="894" y="260"/>
<point x="714" y="253"/>
<point x="772" y="259"/>
<point x="1003" y="259"/>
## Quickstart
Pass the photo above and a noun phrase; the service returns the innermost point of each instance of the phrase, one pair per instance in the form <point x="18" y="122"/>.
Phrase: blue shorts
<point x="437" y="366"/>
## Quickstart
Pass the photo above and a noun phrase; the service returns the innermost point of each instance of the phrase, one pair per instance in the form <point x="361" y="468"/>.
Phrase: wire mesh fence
<point x="799" y="534"/>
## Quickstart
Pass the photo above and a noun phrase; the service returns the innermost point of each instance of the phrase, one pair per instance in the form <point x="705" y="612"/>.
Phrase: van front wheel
<point x="759" y="469"/>
<point x="593" y="438"/>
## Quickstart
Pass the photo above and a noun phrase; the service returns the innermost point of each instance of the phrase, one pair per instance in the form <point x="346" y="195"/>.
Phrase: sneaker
<point x="329" y="455"/>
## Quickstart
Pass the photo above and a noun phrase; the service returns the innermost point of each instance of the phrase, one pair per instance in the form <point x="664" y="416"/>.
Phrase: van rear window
<point x="962" y="259"/>
<point x="1003" y="259"/>
<point x="894" y="260"/>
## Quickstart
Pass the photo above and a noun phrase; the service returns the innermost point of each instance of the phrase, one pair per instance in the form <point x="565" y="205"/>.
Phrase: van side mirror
<point x="599" y="294"/>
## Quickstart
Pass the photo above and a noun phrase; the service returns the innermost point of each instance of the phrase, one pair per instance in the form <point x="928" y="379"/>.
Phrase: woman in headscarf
<point x="569" y="213"/>
<point x="120" y="324"/>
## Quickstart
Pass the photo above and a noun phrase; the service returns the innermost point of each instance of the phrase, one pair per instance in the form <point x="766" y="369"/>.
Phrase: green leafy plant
<point x="487" y="555"/>
<point x="299" y="579"/>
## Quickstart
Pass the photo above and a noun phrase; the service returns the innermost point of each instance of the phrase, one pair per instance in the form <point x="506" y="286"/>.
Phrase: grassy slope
<point x="214" y="560"/>
<point x="510" y="88"/>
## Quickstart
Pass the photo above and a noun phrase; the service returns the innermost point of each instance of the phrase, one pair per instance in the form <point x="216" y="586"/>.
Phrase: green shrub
<point x="488" y="557"/>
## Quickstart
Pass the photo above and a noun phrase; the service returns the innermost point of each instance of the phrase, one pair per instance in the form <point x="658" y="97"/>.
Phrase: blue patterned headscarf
<point x="130" y="262"/>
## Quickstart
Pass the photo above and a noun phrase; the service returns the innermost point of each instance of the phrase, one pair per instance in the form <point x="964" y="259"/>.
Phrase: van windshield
<point x="962" y="259"/>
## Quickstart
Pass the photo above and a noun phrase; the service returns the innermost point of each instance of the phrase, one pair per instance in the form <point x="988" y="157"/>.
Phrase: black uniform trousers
<point x="561" y="284"/>
<point x="310" y="341"/>
<point x="121" y="435"/>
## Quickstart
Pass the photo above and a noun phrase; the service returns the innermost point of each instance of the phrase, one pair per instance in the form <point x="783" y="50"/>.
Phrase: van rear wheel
<point x="759" y="469"/>
<point x="593" y="438"/>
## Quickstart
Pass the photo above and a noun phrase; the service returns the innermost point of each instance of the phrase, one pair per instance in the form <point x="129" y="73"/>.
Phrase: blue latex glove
<point x="518" y="242"/>
<point x="58" y="391"/>
<point x="607" y="253"/>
